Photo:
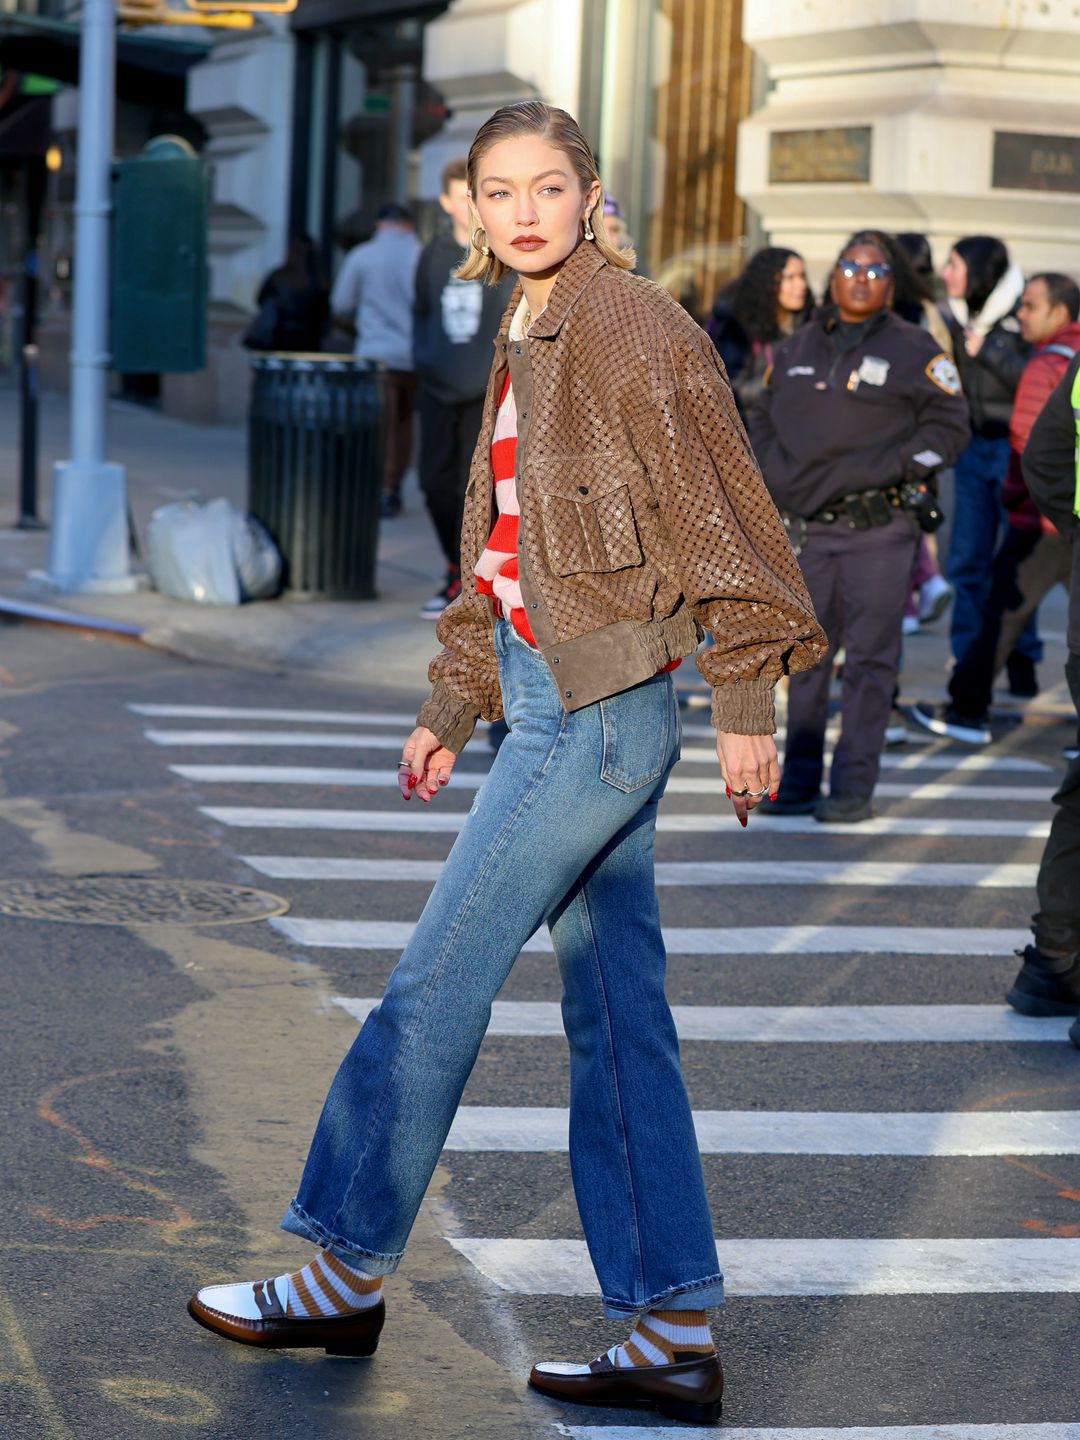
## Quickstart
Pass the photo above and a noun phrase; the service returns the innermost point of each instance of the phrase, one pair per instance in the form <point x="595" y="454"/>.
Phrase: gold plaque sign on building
<point x="820" y="157"/>
<point x="1036" y="162"/>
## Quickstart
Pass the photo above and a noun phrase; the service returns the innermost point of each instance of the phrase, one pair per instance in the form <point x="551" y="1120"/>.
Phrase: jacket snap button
<point x="569" y="694"/>
<point x="535" y="605"/>
<point x="555" y="659"/>
<point x="584" y="489"/>
<point x="517" y="349"/>
<point x="524" y="414"/>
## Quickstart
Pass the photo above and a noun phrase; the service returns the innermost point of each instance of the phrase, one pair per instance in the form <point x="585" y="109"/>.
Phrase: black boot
<point x="1023" y="681"/>
<point x="791" y="801"/>
<point x="1046" y="985"/>
<point x="843" y="809"/>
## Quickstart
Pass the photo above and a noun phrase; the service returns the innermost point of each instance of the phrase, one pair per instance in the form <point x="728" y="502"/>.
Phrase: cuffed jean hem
<point x="705" y="1294"/>
<point x="297" y="1221"/>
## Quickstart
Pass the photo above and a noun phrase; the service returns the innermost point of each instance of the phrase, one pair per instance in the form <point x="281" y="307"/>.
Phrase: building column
<point x="940" y="116"/>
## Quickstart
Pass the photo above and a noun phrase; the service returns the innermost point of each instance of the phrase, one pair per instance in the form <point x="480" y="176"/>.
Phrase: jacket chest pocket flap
<point x="588" y="517"/>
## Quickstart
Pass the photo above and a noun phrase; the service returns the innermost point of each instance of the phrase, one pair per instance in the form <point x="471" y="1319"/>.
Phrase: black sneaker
<point x="389" y="505"/>
<point x="1023" y="681"/>
<point x="843" y="809"/>
<point x="432" y="609"/>
<point x="944" y="720"/>
<point x="1046" y="985"/>
<point x="790" y="802"/>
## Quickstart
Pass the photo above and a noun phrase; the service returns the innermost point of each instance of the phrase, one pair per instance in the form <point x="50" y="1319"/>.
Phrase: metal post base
<point x="89" y="551"/>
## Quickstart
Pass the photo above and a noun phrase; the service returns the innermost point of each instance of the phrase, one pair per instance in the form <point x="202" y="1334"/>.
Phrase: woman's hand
<point x="973" y="341"/>
<point x="750" y="769"/>
<point x="425" y="765"/>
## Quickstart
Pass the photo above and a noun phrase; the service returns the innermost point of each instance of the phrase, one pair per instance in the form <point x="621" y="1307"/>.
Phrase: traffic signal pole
<point x="89" y="550"/>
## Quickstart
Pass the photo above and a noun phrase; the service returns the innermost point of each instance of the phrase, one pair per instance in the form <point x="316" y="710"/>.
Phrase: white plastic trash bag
<point x="211" y="554"/>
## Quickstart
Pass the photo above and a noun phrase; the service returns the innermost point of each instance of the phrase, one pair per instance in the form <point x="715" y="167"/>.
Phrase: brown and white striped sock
<point x="663" y="1337"/>
<point x="327" y="1286"/>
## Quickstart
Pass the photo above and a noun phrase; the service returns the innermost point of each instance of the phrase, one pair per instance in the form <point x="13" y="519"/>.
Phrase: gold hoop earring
<point x="588" y="228"/>
<point x="481" y="245"/>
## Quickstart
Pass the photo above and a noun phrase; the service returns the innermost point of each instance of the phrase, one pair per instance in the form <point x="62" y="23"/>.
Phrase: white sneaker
<point x="909" y="625"/>
<point x="935" y="597"/>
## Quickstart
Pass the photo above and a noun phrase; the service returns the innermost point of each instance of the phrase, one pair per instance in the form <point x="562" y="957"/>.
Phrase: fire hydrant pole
<point x="90" y="528"/>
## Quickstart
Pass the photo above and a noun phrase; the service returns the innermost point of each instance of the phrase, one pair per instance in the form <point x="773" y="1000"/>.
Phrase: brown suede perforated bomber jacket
<point x="644" y="518"/>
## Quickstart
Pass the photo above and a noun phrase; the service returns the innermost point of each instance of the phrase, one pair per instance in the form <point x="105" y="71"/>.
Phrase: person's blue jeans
<point x="561" y="831"/>
<point x="978" y="519"/>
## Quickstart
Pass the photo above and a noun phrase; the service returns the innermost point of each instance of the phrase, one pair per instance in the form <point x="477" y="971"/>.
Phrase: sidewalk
<point x="374" y="644"/>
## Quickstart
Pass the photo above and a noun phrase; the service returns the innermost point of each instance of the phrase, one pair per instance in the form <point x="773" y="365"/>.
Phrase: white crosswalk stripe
<point x="440" y="821"/>
<point x="882" y="873"/>
<point x="386" y="778"/>
<point x="365" y="740"/>
<point x="250" y="712"/>
<point x="794" y="1024"/>
<point x="809" y="1267"/>
<point x="798" y="1132"/>
<point x="1054" y="1431"/>
<point x="739" y="940"/>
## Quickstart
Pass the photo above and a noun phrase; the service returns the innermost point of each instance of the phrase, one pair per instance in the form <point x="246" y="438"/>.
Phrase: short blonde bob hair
<point x="532" y="117"/>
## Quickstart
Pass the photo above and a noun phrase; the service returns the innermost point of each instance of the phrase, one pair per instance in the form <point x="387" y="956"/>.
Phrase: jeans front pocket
<point x="638" y="727"/>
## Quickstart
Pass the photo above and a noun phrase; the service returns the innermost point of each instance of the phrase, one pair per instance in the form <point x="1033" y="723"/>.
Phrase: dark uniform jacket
<point x="644" y="520"/>
<point x="1049" y="462"/>
<point x="833" y="420"/>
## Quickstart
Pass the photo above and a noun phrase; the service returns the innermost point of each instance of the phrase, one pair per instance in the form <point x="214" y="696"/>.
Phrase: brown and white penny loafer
<point x="256" y="1314"/>
<point x="690" y="1389"/>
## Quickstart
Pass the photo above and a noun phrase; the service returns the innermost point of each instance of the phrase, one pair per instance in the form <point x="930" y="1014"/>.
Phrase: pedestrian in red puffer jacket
<point x="1033" y="557"/>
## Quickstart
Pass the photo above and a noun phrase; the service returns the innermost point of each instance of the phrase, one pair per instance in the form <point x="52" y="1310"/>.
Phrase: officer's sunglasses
<point x="877" y="270"/>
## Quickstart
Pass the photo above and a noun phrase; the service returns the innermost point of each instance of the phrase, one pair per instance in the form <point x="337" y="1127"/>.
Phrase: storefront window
<point x="676" y="82"/>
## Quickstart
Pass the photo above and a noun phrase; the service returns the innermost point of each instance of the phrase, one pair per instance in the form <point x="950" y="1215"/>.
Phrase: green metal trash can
<point x="316" y="446"/>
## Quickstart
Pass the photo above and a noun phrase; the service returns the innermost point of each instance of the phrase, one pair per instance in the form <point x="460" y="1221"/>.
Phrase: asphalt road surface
<point x="891" y="1155"/>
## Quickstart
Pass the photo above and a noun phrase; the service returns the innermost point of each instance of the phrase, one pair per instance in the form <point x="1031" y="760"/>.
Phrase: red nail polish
<point x="773" y="795"/>
<point x="444" y="782"/>
<point x="413" y="782"/>
<point x="742" y="821"/>
<point x="727" y="791"/>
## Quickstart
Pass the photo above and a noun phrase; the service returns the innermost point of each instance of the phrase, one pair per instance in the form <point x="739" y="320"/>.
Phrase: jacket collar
<point x="578" y="269"/>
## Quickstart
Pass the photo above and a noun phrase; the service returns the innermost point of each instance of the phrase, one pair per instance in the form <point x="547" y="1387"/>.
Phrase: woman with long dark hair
<point x="754" y="312"/>
<point x="293" y="301"/>
<point x="930" y="594"/>
<point x="629" y="516"/>
<point x="983" y="291"/>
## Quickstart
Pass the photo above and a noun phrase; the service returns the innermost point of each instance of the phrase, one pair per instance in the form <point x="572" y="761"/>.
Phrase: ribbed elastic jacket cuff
<point x="744" y="709"/>
<point x="449" y="718"/>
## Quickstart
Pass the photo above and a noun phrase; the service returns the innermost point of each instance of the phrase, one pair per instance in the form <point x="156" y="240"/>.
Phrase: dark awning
<point x="24" y="127"/>
<point x="340" y="14"/>
<point x="149" y="70"/>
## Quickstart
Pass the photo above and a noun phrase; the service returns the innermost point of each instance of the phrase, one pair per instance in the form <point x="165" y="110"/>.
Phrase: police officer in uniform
<point x="859" y="412"/>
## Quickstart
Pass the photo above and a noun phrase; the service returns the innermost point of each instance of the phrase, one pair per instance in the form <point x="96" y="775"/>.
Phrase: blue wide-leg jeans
<point x="561" y="831"/>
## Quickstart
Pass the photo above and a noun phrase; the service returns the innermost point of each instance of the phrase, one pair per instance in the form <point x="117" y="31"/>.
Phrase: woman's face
<point x="955" y="274"/>
<point x="791" y="296"/>
<point x="531" y="205"/>
<point x="861" y="282"/>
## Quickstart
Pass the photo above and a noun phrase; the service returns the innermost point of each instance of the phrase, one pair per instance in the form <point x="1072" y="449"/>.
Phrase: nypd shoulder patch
<point x="943" y="372"/>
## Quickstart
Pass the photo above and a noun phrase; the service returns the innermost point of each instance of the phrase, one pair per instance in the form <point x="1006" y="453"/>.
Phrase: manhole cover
<point x="128" y="900"/>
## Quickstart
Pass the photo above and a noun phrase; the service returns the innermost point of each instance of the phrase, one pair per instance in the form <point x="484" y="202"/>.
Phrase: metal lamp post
<point x="89" y="547"/>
